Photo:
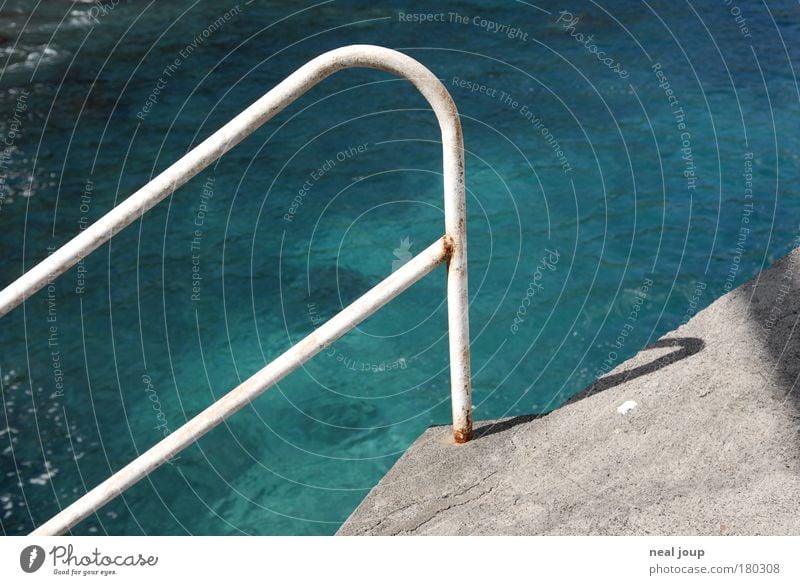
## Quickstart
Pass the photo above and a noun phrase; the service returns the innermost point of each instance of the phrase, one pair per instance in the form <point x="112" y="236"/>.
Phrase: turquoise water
<point x="608" y="199"/>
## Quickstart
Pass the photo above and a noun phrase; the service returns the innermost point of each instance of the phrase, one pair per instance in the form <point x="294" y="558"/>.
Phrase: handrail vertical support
<point x="455" y="212"/>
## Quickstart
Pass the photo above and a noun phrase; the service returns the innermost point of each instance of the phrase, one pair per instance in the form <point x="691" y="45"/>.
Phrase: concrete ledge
<point x="712" y="445"/>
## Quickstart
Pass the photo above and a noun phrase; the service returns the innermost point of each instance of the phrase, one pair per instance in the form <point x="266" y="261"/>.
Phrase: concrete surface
<point x="712" y="445"/>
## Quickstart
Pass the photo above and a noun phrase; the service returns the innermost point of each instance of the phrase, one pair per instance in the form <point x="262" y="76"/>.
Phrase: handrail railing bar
<point x="321" y="338"/>
<point x="247" y="122"/>
<point x="451" y="247"/>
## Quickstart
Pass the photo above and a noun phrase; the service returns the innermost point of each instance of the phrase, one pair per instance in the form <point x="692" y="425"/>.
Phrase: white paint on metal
<point x="451" y="247"/>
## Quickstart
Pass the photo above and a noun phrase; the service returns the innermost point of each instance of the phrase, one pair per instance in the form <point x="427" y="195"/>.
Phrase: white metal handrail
<point x="452" y="248"/>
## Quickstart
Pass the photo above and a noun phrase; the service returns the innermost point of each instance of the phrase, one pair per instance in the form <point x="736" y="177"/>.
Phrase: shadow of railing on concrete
<point x="687" y="346"/>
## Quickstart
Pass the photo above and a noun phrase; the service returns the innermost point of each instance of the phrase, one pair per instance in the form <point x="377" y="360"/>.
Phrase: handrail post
<point x="455" y="214"/>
